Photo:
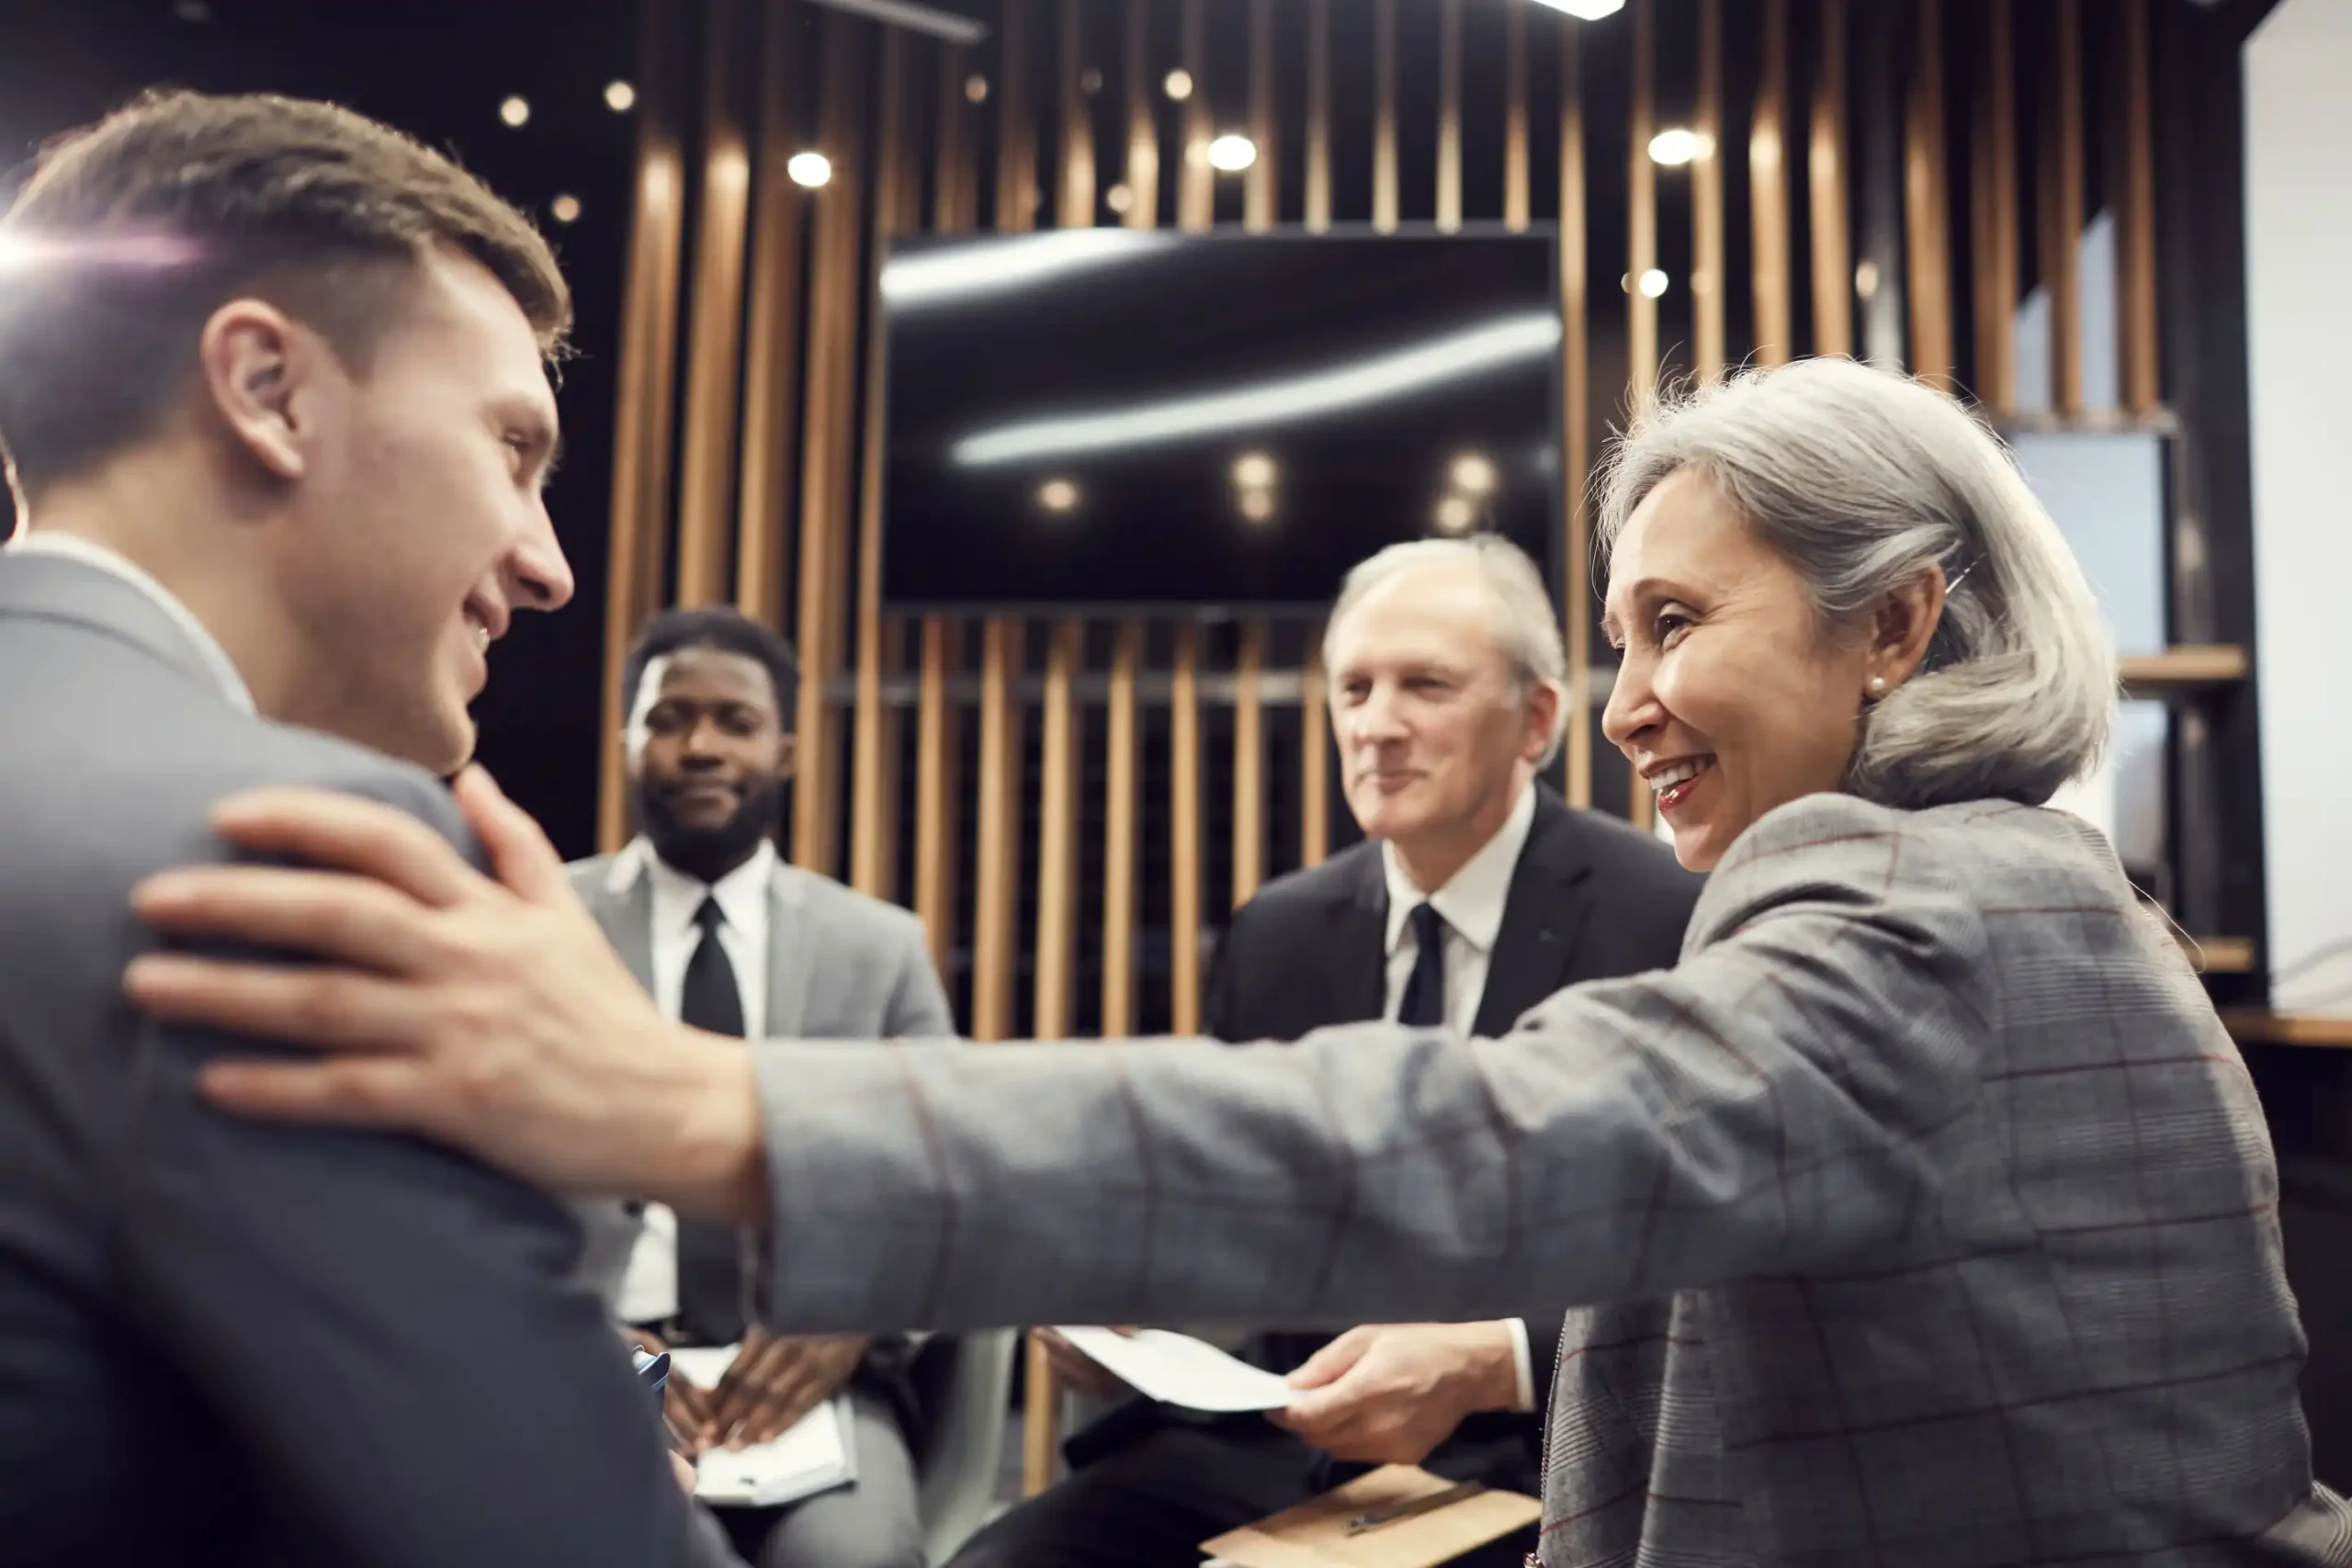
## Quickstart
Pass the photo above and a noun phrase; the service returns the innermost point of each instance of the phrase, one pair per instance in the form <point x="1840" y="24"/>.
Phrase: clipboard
<point x="1403" y="1519"/>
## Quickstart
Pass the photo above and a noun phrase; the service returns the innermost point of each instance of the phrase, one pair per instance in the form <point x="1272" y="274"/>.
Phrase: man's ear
<point x="1543" y="703"/>
<point x="252" y="360"/>
<point x="788" y="757"/>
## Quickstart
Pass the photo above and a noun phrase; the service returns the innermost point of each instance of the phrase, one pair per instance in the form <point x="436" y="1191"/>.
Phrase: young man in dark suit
<point x="1477" y="893"/>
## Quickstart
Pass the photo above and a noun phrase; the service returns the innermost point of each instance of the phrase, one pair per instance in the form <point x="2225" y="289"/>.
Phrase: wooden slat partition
<point x="1993" y="245"/>
<point x="938" y="753"/>
<point x="641" y="417"/>
<point x="1317" y="192"/>
<point x="1120" y="828"/>
<point x="1708" y="281"/>
<point x="771" y="448"/>
<point x="1642" y="215"/>
<point x="1056" y="953"/>
<point x="995" y="936"/>
<point x="1262" y="185"/>
<point x="1184" y="832"/>
<point x="1449" y="115"/>
<point x="1196" y="182"/>
<point x="1074" y="191"/>
<point x="713" y="339"/>
<point x="1767" y="183"/>
<point x="873" y="757"/>
<point x="1249" y="764"/>
<point x="1384" y="115"/>
<point x="1576" y="409"/>
<point x="1313" y="757"/>
<point x="1518" y="192"/>
<point x="1833" y="256"/>
<point x="1927" y="195"/>
<point x="2136" y="217"/>
<point x="1143" y="132"/>
<point x="830" y="417"/>
<point x="2062" y="211"/>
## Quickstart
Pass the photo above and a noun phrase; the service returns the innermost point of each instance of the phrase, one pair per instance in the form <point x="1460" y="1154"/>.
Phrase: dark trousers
<point x="1150" y="1501"/>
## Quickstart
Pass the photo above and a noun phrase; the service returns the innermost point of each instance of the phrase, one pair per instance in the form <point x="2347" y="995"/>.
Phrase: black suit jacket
<point x="1591" y="898"/>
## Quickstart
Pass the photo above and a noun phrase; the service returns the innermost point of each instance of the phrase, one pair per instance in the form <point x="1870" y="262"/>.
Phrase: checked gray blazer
<point x="1935" y="1206"/>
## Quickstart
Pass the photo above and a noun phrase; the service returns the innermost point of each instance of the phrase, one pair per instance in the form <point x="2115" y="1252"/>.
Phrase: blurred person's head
<point x="711" y="695"/>
<point x="1831" y="578"/>
<point x="296" y="366"/>
<point x="1446" y="675"/>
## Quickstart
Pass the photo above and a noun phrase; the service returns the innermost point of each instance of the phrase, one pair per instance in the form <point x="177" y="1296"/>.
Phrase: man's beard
<point x="710" y="853"/>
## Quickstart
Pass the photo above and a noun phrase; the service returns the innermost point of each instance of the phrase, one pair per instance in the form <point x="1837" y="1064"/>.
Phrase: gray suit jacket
<point x="227" y="1342"/>
<point x="1938" y="1206"/>
<point x="840" y="966"/>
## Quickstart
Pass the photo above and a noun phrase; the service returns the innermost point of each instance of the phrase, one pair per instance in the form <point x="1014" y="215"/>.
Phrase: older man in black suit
<point x="1477" y="893"/>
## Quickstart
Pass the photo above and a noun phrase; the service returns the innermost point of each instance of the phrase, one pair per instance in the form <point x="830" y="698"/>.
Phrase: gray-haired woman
<point x="1922" y="1215"/>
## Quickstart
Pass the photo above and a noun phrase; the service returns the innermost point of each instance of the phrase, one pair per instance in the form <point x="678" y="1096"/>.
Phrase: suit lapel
<point x="628" y="918"/>
<point x="789" y="959"/>
<point x="1358" y="937"/>
<point x="1551" y="900"/>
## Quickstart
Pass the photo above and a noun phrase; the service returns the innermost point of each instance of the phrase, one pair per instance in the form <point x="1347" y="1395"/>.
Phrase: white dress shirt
<point x="650" y="1287"/>
<point x="1471" y="904"/>
<point x="115" y="564"/>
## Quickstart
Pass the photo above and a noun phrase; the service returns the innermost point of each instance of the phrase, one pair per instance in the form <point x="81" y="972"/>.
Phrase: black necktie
<point x="710" y="1278"/>
<point x="1424" y="1003"/>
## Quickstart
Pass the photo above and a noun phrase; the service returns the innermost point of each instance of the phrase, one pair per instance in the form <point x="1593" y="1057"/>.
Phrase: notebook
<point x="817" y="1455"/>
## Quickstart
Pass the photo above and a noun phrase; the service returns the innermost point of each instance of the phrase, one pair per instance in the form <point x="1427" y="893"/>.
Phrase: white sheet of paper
<point x="1177" y="1369"/>
<point x="810" y="1457"/>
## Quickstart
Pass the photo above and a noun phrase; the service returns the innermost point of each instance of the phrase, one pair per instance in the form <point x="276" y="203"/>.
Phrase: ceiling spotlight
<point x="1232" y="155"/>
<point x="810" y="169"/>
<point x="1474" y="474"/>
<point x="1653" y="283"/>
<point x="975" y="89"/>
<point x="1178" y="84"/>
<point x="1678" y="145"/>
<point x="565" y="209"/>
<point x="1258" y="505"/>
<point x="515" y="110"/>
<point x="1058" y="495"/>
<point x="619" y="96"/>
<point x="1118" y="199"/>
<point x="1866" y="278"/>
<point x="1587" y="10"/>
<point x="1253" y="470"/>
<point x="1456" y="515"/>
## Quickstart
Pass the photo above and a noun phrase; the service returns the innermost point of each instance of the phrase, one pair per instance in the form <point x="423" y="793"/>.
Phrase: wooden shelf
<point x="2187" y="667"/>
<point x="2250" y="1026"/>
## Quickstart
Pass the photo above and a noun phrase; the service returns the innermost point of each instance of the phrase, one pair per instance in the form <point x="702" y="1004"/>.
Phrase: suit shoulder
<point x="844" y="908"/>
<point x="588" y="873"/>
<point x="1310" y="888"/>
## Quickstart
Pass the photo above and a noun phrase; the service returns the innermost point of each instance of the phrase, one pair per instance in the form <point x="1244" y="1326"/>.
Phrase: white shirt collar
<point x="207" y="646"/>
<point x="1473" y="899"/>
<point x="742" y="892"/>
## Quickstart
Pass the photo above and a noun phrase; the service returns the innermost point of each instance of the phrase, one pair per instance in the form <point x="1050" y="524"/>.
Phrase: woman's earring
<point x="1878" y="685"/>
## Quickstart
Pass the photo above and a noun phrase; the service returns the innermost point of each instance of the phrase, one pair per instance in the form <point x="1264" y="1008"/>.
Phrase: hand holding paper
<point x="1177" y="1369"/>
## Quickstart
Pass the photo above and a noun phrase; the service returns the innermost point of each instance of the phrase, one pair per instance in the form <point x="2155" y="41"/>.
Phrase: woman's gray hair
<point x="1862" y="479"/>
<point x="1527" y="628"/>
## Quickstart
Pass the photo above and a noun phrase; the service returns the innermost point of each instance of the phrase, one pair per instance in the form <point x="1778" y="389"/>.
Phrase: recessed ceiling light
<point x="1178" y="84"/>
<point x="976" y="88"/>
<point x="619" y="96"/>
<point x="565" y="209"/>
<point x="1118" y="199"/>
<point x="515" y="111"/>
<point x="1678" y="145"/>
<point x="1253" y="470"/>
<point x="1653" y="283"/>
<point x="1455" y="515"/>
<point x="1058" y="495"/>
<point x="1586" y="10"/>
<point x="810" y="169"/>
<point x="1472" y="473"/>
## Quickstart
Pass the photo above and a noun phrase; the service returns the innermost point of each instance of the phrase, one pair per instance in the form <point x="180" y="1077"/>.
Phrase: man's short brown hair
<point x="133" y="232"/>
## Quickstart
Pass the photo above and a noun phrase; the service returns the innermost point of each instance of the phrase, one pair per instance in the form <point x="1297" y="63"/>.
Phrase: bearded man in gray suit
<point x="728" y="938"/>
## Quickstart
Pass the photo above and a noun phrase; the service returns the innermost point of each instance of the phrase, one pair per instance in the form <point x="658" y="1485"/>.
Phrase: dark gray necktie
<point x="710" y="1277"/>
<point x="1424" y="1003"/>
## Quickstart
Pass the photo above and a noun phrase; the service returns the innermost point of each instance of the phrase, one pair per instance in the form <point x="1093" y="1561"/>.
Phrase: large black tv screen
<point x="1110" y="417"/>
